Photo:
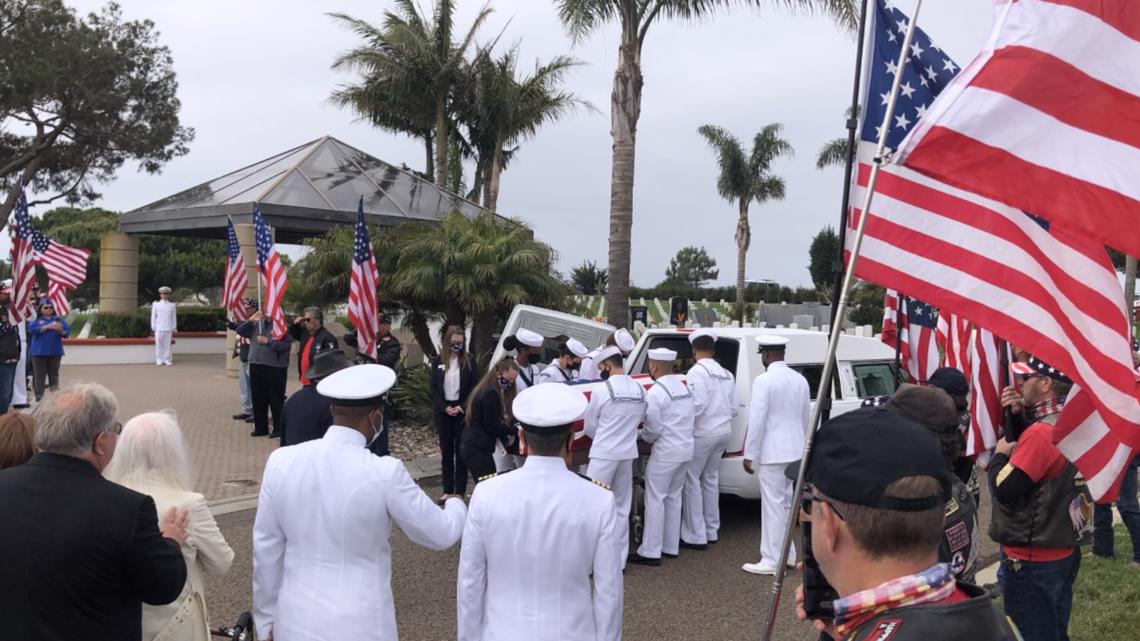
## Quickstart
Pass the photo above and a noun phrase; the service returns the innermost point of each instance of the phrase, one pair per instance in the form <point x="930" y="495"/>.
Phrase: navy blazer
<point x="467" y="382"/>
<point x="306" y="416"/>
<point x="79" y="555"/>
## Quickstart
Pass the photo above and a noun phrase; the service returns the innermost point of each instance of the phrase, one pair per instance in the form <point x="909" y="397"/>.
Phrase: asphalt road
<point x="700" y="595"/>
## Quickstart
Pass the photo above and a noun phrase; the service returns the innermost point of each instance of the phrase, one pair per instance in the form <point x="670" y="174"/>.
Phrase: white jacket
<point x="163" y="316"/>
<point x="669" y="420"/>
<point x="530" y="371"/>
<point x="554" y="374"/>
<point x="778" y="416"/>
<point x="532" y="538"/>
<point x="205" y="551"/>
<point x="322" y="565"/>
<point x="714" y="398"/>
<point x="616" y="409"/>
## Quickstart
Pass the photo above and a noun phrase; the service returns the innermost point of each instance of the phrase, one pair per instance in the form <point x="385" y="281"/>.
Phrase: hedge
<point x="119" y="325"/>
<point x="201" y="319"/>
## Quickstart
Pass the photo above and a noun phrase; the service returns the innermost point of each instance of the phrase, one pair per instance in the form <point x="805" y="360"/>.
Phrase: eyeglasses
<point x="809" y="498"/>
<point x="116" y="429"/>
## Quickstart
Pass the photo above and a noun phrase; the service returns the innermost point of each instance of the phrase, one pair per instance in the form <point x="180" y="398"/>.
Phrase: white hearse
<point x="865" y="368"/>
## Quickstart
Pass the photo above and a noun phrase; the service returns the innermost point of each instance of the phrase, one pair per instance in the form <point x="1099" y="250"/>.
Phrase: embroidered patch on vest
<point x="957" y="563"/>
<point x="885" y="630"/>
<point x="957" y="536"/>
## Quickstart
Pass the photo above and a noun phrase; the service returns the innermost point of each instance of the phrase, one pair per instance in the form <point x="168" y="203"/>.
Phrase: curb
<point x="420" y="469"/>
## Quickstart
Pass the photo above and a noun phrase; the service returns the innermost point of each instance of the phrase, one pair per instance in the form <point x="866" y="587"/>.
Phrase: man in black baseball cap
<point x="878" y="497"/>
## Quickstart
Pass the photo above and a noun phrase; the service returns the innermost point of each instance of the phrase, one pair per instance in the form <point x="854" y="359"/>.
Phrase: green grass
<point x="1106" y="597"/>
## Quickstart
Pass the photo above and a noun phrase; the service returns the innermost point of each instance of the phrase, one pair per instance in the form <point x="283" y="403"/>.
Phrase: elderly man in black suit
<point x="79" y="555"/>
<point x="307" y="414"/>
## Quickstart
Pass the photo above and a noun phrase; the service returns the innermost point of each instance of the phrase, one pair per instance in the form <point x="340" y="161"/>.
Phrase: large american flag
<point x="57" y="294"/>
<point x="362" y="302"/>
<point x="273" y="275"/>
<point x="23" y="263"/>
<point x="236" y="283"/>
<point x="908" y="326"/>
<point x="65" y="265"/>
<point x="1053" y="294"/>
<point x="1045" y="119"/>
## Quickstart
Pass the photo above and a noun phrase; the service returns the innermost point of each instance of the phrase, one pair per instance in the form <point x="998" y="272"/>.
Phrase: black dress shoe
<point x="249" y="419"/>
<point x="694" y="546"/>
<point x="643" y="560"/>
<point x="275" y="435"/>
<point x="242" y="416"/>
<point x="21" y="406"/>
<point x="668" y="556"/>
<point x="256" y="433"/>
<point x="713" y="541"/>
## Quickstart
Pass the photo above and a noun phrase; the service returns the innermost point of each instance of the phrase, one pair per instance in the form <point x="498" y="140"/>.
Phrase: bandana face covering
<point x="933" y="584"/>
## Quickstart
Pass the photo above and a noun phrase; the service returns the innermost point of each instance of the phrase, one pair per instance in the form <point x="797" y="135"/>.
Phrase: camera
<point x="819" y="596"/>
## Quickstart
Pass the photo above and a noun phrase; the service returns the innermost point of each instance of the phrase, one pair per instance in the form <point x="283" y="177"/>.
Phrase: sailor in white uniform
<point x="615" y="411"/>
<point x="714" y="401"/>
<point x="528" y="347"/>
<point x="669" y="427"/>
<point x="777" y="423"/>
<point x="534" y="535"/>
<point x="163" y="322"/>
<point x="565" y="368"/>
<point x="620" y="339"/>
<point x="321" y="559"/>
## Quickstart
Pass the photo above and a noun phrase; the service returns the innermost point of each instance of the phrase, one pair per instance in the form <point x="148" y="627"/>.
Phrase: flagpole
<point x="836" y="329"/>
<point x="901" y="312"/>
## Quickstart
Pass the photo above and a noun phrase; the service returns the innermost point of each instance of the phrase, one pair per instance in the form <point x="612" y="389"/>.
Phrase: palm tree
<point x="410" y="69"/>
<point x="501" y="108"/>
<point x="635" y="17"/>
<point x="744" y="179"/>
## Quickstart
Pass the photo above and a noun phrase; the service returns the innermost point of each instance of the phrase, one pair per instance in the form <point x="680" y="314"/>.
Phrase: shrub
<point x="201" y="319"/>
<point x="411" y="396"/>
<point x="118" y="325"/>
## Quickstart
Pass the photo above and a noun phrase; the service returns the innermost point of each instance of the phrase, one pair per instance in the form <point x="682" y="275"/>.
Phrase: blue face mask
<point x="455" y="347"/>
<point x="504" y="383"/>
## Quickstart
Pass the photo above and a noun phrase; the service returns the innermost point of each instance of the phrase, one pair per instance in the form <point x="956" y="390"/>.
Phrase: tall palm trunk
<point x="492" y="200"/>
<point x="743" y="240"/>
<point x="441" y="140"/>
<point x="429" y="153"/>
<point x="625" y="109"/>
<point x="482" y="328"/>
<point x="419" y="328"/>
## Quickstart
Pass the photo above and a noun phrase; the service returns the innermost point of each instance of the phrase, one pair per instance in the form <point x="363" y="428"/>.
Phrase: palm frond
<point x="581" y="18"/>
<point x="833" y="152"/>
<point x="732" y="181"/>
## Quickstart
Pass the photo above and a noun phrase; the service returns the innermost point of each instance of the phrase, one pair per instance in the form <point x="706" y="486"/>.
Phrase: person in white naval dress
<point x="321" y="558"/>
<point x="565" y="368"/>
<point x="620" y="339"/>
<point x="669" y="427"/>
<point x="163" y="322"/>
<point x="528" y="347"/>
<point x="533" y="537"/>
<point x="612" y="418"/>
<point x="777" y="424"/>
<point x="714" y="402"/>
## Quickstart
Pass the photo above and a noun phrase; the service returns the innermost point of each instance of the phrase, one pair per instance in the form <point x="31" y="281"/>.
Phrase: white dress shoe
<point x="759" y="568"/>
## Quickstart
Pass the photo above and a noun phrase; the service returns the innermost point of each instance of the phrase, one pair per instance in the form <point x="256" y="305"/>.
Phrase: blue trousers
<point x="1129" y="507"/>
<point x="7" y="379"/>
<point x="1039" y="596"/>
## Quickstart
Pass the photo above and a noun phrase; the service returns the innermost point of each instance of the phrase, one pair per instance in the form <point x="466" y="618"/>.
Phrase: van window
<point x="874" y="379"/>
<point x="727" y="351"/>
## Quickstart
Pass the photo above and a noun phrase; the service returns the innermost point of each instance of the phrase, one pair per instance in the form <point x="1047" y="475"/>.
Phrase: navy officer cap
<point x="858" y="454"/>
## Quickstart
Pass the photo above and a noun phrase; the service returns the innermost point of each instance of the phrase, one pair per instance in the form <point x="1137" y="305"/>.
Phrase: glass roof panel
<point x="338" y="178"/>
<point x="418" y="198"/>
<point x="297" y="192"/>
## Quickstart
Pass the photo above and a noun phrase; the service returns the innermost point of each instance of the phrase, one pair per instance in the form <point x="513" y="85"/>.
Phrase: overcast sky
<point x="254" y="79"/>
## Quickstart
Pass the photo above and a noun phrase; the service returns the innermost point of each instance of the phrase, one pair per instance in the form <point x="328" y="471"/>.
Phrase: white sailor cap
<point x="528" y="338"/>
<point x="772" y="343"/>
<point x="662" y="354"/>
<point x="6" y="285"/>
<point x="624" y="340"/>
<point x="704" y="331"/>
<point x="164" y="290"/>
<point x="358" y="386"/>
<point x="576" y="347"/>
<point x="607" y="353"/>
<point x="544" y="407"/>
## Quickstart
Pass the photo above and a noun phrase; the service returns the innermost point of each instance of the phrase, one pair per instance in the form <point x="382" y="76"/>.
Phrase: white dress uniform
<point x="555" y="374"/>
<point x="321" y="557"/>
<point x="589" y="369"/>
<point x="20" y="382"/>
<point x="714" y="402"/>
<point x="777" y="423"/>
<point x="669" y="427"/>
<point x="532" y="539"/>
<point x="163" y="322"/>
<point x="615" y="411"/>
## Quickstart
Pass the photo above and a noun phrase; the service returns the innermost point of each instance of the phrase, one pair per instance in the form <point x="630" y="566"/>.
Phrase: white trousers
<point x="775" y="510"/>
<point x="162" y="346"/>
<point x="700" y="508"/>
<point x="663" y="484"/>
<point x="619" y="476"/>
<point x="20" y="382"/>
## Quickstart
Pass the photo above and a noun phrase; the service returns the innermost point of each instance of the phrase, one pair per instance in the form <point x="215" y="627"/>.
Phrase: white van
<point x="865" y="368"/>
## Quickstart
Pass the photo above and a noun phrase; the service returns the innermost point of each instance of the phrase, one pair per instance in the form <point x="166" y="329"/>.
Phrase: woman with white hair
<point x="151" y="458"/>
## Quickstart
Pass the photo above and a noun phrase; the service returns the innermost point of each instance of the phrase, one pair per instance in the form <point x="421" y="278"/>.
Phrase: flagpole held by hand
<point x="836" y="327"/>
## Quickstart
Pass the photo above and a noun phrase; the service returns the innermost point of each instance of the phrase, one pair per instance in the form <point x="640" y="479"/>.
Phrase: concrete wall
<point x="130" y="352"/>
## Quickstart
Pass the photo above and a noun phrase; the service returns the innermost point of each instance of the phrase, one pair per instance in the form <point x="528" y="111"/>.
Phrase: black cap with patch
<point x="858" y="454"/>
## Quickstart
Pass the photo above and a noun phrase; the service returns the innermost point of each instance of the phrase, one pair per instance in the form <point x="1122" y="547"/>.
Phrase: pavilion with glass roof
<point x="303" y="192"/>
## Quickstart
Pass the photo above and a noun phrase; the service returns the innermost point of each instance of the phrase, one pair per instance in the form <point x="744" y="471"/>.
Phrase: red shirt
<point x="1040" y="460"/>
<point x="305" y="351"/>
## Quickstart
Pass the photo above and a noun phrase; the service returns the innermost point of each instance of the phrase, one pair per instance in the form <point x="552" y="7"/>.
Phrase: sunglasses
<point x="810" y="498"/>
<point x="1026" y="377"/>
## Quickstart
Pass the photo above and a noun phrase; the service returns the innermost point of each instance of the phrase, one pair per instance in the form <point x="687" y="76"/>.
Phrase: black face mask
<point x="605" y="374"/>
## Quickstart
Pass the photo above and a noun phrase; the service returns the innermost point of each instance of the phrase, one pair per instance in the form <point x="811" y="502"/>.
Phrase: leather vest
<point x="976" y="619"/>
<point x="1041" y="517"/>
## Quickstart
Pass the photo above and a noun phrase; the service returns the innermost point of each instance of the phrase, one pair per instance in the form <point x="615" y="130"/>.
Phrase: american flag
<point x="986" y="382"/>
<point x="1044" y="119"/>
<point x="908" y="326"/>
<point x="57" y="294"/>
<point x="1053" y="294"/>
<point x="953" y="335"/>
<point x="362" y="302"/>
<point x="23" y="263"/>
<point x="65" y="265"/>
<point x="236" y="283"/>
<point x="272" y="274"/>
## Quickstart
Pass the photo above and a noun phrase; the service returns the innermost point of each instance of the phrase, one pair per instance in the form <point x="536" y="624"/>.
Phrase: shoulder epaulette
<point x="595" y="482"/>
<point x="491" y="475"/>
